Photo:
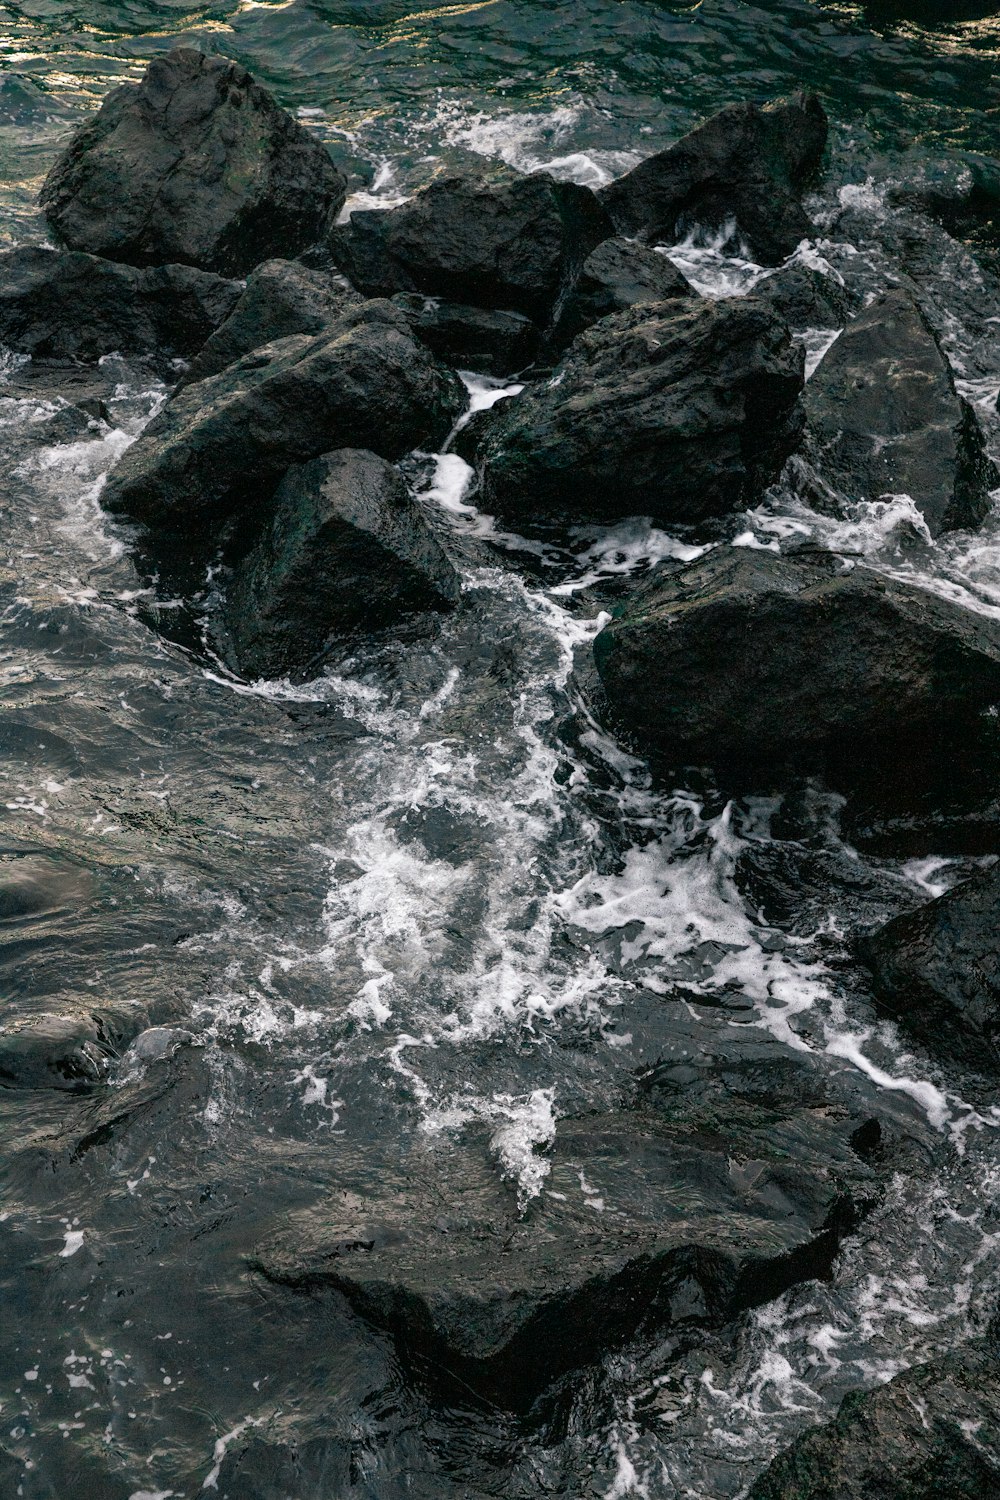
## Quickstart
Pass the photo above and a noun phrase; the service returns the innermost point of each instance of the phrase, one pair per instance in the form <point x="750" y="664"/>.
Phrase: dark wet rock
<point x="933" y="1433"/>
<point x="680" y="410"/>
<point x="805" y="298"/>
<point x="65" y="305"/>
<point x="498" y="240"/>
<point x="488" y="340"/>
<point x="765" y="667"/>
<point x="51" y="1051"/>
<point x="962" y="192"/>
<point x="217" y="451"/>
<point x="195" y="164"/>
<point x="711" y="1195"/>
<point x="615" y="276"/>
<point x="347" y="549"/>
<point x="937" y="970"/>
<point x="747" y="163"/>
<point x="788" y="885"/>
<point x="281" y="297"/>
<point x="884" y="419"/>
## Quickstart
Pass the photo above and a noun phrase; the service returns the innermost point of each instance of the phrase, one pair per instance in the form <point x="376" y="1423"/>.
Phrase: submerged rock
<point x="710" y="1196"/>
<point x="933" y="1433"/>
<point x="680" y="410"/>
<point x="937" y="970"/>
<point x="281" y="297"/>
<point x="216" y="453"/>
<point x="766" y="667"/>
<point x="50" y="1051"/>
<point x="67" y="305"/>
<point x="196" y="164"/>
<point x="347" y="549"/>
<point x="488" y="340"/>
<point x="747" y="163"/>
<point x="616" y="276"/>
<point x="497" y="240"/>
<point x="884" y="419"/>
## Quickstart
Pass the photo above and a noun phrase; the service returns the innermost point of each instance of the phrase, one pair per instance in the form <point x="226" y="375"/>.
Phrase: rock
<point x="884" y="419"/>
<point x="70" y="306"/>
<point x="937" y="970"/>
<point x="805" y="298"/>
<point x="615" y="276"/>
<point x="52" y="1052"/>
<point x="960" y="191"/>
<point x="746" y="163"/>
<point x="767" y="667"/>
<point x="933" y="1433"/>
<point x="347" y="550"/>
<point x="711" y="1195"/>
<point x="195" y="164"/>
<point x="490" y="341"/>
<point x="216" y="453"/>
<point x="281" y="297"/>
<point x="680" y="410"/>
<point x="498" y="240"/>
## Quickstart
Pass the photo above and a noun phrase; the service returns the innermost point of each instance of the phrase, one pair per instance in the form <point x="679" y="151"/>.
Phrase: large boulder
<point x="498" y="240"/>
<point x="680" y="410"/>
<point x="937" y="970"/>
<point x="281" y="297"/>
<point x="721" y="1187"/>
<point x="748" y="163"/>
<point x="884" y="419"/>
<point x="615" y="276"/>
<point x="347" y="549"/>
<point x="196" y="164"/>
<point x="765" y="667"/>
<point x="210" y="461"/>
<point x="932" y="1433"/>
<point x="492" y="341"/>
<point x="71" y="306"/>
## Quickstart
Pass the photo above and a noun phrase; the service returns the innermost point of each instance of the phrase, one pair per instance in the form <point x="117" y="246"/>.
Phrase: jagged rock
<point x="937" y="970"/>
<point x="347" y="549"/>
<point x="680" y="410"/>
<point x="715" y="1193"/>
<point x="498" y="240"/>
<point x="766" y="667"/>
<point x="217" y="451"/>
<point x="65" y="305"/>
<point x="488" y="340"/>
<point x="615" y="276"/>
<point x="281" y="297"/>
<point x="746" y="163"/>
<point x="884" y="418"/>
<point x="805" y="298"/>
<point x="933" y="1433"/>
<point x="195" y="164"/>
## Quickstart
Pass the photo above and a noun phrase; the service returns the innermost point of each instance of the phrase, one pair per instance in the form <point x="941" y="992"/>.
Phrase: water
<point x="424" y="904"/>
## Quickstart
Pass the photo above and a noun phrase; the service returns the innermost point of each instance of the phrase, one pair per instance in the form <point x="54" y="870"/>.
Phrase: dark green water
<point x="261" y="867"/>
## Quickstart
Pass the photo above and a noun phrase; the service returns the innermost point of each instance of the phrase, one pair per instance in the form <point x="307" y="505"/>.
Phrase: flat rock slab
<point x="884" y="419"/>
<point x="747" y="163"/>
<point x="765" y="666"/>
<point x="497" y="240"/>
<point x="933" y="1433"/>
<point x="937" y="971"/>
<point x="216" y="453"/>
<point x="196" y="164"/>
<point x="694" y="1205"/>
<point x="66" y="305"/>
<point x="679" y="410"/>
<point x="347" y="550"/>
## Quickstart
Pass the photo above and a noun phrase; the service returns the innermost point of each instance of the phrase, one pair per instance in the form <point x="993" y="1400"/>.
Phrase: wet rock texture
<point x="768" y="665"/>
<point x="937" y="971"/>
<point x="884" y="419"/>
<point x="614" y="277"/>
<point x="747" y="163"/>
<point x="933" y="1433"/>
<point x="680" y="410"/>
<point x="347" y="550"/>
<point x="195" y="164"/>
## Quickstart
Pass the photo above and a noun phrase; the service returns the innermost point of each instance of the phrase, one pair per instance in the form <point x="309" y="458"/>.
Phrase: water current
<point x="424" y="899"/>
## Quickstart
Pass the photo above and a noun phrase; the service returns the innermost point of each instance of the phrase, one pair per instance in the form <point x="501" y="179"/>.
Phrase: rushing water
<point x="424" y="898"/>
